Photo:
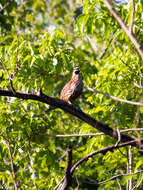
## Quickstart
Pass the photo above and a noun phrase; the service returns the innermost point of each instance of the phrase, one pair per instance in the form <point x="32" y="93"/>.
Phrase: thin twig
<point x="87" y="134"/>
<point x="91" y="46"/>
<point x="139" y="181"/>
<point x="133" y="129"/>
<point x="17" y="34"/>
<point x="5" y="68"/>
<point x="89" y="181"/>
<point x="12" y="164"/>
<point x="119" y="175"/>
<point x="136" y="73"/>
<point x="119" y="183"/>
<point x="114" y="97"/>
<point x="3" y="187"/>
<point x="77" y="188"/>
<point x="59" y="183"/>
<point x="61" y="157"/>
<point x="137" y="116"/>
<point x="132" y="16"/>
<point x="130" y="67"/>
<point x="112" y="38"/>
<point x="4" y="6"/>
<point x="124" y="27"/>
<point x="137" y="85"/>
<point x="122" y="153"/>
<point x="71" y="135"/>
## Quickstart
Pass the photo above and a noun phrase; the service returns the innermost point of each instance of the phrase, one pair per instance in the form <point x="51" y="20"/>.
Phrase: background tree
<point x="41" y="42"/>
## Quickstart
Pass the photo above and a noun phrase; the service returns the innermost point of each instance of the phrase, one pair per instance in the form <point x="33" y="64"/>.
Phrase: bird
<point x="72" y="90"/>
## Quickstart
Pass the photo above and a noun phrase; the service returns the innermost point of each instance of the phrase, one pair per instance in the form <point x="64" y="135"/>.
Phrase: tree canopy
<point x="96" y="143"/>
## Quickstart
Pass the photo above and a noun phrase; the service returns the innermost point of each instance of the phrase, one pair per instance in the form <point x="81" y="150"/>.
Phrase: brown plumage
<point x="72" y="90"/>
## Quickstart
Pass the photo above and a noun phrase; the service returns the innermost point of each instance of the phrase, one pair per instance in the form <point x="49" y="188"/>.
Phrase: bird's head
<point x="76" y="71"/>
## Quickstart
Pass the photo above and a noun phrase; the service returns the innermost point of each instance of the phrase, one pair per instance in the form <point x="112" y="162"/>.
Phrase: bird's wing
<point x="68" y="89"/>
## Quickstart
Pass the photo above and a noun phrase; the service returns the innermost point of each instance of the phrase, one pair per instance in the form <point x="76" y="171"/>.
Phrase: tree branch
<point x="114" y="97"/>
<point x="68" y="176"/>
<point x="59" y="183"/>
<point x="12" y="164"/>
<point x="130" y="67"/>
<point x="74" y="111"/>
<point x="4" y="6"/>
<point x="86" y="134"/>
<point x="118" y="183"/>
<point x="77" y="181"/>
<point x="137" y="85"/>
<point x="71" y="135"/>
<point x="129" y="167"/>
<point x="125" y="28"/>
<point x="17" y="52"/>
<point x="103" y="151"/>
<point x="119" y="175"/>
<point x="2" y="185"/>
<point x="132" y="16"/>
<point x="139" y="181"/>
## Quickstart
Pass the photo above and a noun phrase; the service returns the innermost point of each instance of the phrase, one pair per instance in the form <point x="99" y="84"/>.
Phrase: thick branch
<point x="124" y="27"/>
<point x="114" y="97"/>
<point x="68" y="176"/>
<point x="74" y="111"/>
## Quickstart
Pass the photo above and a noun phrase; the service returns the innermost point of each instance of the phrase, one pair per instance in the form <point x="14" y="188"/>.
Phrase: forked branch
<point x="101" y="151"/>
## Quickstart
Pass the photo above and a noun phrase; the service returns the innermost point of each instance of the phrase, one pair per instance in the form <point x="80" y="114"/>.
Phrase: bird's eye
<point x="76" y="72"/>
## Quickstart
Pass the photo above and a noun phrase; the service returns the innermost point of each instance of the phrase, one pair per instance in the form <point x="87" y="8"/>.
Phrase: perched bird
<point x="72" y="89"/>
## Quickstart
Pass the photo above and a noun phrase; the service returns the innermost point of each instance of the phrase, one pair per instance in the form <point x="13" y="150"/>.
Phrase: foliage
<point x="40" y="43"/>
